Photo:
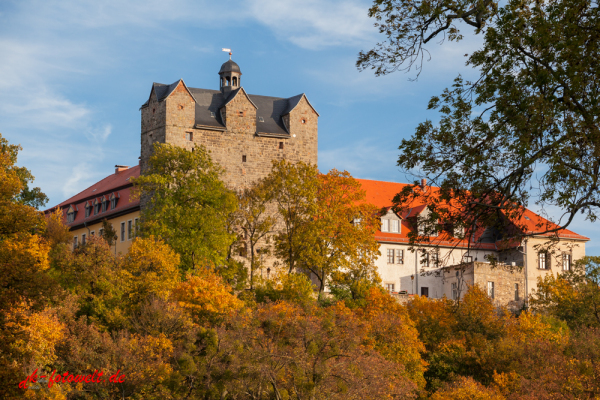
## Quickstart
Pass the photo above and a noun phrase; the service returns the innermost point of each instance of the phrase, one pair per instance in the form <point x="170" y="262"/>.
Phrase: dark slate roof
<point x="230" y="66"/>
<point x="270" y="109"/>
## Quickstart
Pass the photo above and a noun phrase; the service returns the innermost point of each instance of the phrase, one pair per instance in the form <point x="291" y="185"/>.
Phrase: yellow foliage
<point x="394" y="334"/>
<point x="43" y="331"/>
<point x="150" y="268"/>
<point x="466" y="389"/>
<point x="529" y="327"/>
<point x="206" y="297"/>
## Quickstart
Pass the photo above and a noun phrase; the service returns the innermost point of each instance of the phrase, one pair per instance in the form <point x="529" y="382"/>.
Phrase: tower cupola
<point x="230" y="76"/>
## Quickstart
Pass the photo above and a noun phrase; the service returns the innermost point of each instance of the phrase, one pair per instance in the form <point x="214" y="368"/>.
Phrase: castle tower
<point x="244" y="133"/>
<point x="230" y="76"/>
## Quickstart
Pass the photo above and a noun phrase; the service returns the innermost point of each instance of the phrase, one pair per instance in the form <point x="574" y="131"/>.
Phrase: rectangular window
<point x="467" y="259"/>
<point x="426" y="258"/>
<point x="400" y="256"/>
<point x="435" y="259"/>
<point x="113" y="203"/>
<point x="97" y="208"/>
<point x="542" y="260"/>
<point x="389" y="287"/>
<point x="83" y="239"/>
<point x="243" y="158"/>
<point x="189" y="136"/>
<point x="122" y="231"/>
<point x="88" y="211"/>
<point x="516" y="292"/>
<point x="491" y="289"/>
<point x="455" y="291"/>
<point x="129" y="229"/>
<point x="93" y="233"/>
<point x="394" y="225"/>
<point x="136" y="226"/>
<point x="74" y="242"/>
<point x="385" y="225"/>
<point x="281" y="145"/>
<point x="390" y="256"/>
<point x="100" y="231"/>
<point x="425" y="291"/>
<point x="566" y="259"/>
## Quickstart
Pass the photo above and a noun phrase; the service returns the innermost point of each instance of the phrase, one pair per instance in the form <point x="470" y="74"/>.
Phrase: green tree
<point x="187" y="205"/>
<point x="533" y="108"/>
<point x="256" y="220"/>
<point x="294" y="189"/>
<point x="109" y="233"/>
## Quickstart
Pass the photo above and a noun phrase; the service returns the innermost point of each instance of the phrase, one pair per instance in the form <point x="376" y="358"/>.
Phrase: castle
<point x="244" y="133"/>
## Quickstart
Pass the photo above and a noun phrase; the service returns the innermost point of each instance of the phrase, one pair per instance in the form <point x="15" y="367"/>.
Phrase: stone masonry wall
<point x="228" y="148"/>
<point x="479" y="273"/>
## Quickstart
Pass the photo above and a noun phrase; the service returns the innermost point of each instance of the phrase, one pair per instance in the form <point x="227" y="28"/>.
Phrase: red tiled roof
<point x="117" y="183"/>
<point x="381" y="194"/>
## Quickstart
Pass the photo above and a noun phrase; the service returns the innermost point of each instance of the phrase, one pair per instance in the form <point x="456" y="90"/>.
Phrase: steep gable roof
<point x="269" y="110"/>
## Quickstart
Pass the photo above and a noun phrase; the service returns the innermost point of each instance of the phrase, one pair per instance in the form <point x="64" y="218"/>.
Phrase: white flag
<point x="227" y="50"/>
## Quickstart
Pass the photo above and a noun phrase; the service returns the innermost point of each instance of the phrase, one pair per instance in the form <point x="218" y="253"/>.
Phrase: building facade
<point x="245" y="133"/>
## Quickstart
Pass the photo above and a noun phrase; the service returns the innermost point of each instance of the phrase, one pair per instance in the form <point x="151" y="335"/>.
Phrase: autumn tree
<point x="339" y="237"/>
<point x="24" y="262"/>
<point x="187" y="205"/>
<point x="573" y="296"/>
<point x="532" y="109"/>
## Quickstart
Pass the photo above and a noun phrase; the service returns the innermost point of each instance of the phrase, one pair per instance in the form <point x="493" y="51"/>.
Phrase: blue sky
<point x="74" y="73"/>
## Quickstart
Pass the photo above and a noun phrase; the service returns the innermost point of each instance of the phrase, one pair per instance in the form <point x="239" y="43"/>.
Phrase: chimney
<point x="423" y="183"/>
<point x="119" y="168"/>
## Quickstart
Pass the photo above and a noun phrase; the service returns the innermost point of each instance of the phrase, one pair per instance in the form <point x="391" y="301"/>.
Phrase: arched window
<point x="228" y="81"/>
<point x="234" y="81"/>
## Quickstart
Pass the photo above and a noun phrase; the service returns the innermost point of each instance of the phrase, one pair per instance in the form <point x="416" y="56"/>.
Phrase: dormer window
<point x="97" y="206"/>
<point x="394" y="226"/>
<point x="88" y="209"/>
<point x="104" y="204"/>
<point x="385" y="225"/>
<point x="113" y="201"/>
<point x="71" y="213"/>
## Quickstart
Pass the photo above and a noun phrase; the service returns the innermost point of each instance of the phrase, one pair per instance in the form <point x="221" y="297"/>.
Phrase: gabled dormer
<point x="391" y="222"/>
<point x="71" y="213"/>
<point x="114" y="199"/>
<point x="239" y="112"/>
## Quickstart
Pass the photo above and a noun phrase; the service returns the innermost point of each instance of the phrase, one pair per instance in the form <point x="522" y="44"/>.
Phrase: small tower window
<point x="243" y="158"/>
<point x="189" y="136"/>
<point x="234" y="81"/>
<point x="228" y="81"/>
<point x="221" y="81"/>
<point x="281" y="145"/>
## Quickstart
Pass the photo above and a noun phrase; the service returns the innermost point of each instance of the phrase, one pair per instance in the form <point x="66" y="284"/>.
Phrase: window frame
<point x="543" y="259"/>
<point x="385" y="225"/>
<point x="491" y="290"/>
<point x="75" y="240"/>
<point x="390" y="256"/>
<point x="569" y="259"/>
<point x="454" y="289"/>
<point x="389" y="286"/>
<point x="516" y="288"/>
<point x="129" y="229"/>
<point x="399" y="256"/>
<point x="122" y="231"/>
<point x="394" y="223"/>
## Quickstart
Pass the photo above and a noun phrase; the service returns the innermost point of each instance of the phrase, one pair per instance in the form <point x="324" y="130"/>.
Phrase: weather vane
<point x="228" y="50"/>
